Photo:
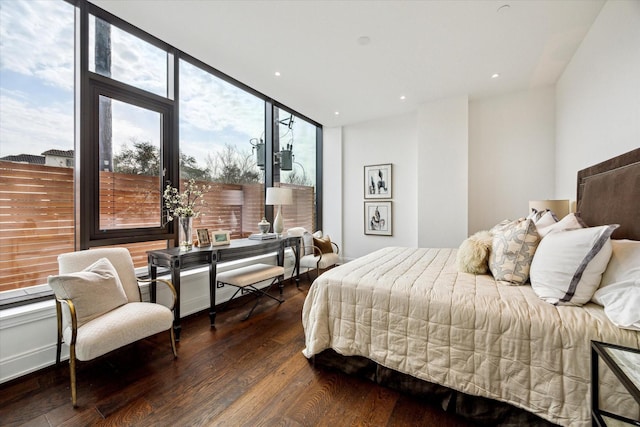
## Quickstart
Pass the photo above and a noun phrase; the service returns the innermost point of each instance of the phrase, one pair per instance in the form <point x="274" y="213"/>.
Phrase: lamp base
<point x="278" y="223"/>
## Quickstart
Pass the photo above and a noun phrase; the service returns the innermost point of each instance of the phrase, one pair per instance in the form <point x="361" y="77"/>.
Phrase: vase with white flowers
<point x="184" y="206"/>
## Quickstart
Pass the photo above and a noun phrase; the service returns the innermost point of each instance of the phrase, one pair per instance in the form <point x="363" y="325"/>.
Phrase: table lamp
<point x="278" y="196"/>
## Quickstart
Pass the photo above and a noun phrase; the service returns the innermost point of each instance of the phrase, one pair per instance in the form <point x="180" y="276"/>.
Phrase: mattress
<point x="408" y="309"/>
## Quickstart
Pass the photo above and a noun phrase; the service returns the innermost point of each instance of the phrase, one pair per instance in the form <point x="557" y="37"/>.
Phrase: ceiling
<point x="423" y="50"/>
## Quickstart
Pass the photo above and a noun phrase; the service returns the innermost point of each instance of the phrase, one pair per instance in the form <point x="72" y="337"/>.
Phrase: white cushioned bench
<point x="245" y="278"/>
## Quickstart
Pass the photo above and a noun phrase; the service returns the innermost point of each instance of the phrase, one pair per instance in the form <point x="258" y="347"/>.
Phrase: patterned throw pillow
<point x="512" y="251"/>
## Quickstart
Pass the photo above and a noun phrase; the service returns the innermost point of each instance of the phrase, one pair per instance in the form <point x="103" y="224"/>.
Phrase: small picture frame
<point x="378" y="219"/>
<point x="220" y="237"/>
<point x="377" y="181"/>
<point x="203" y="237"/>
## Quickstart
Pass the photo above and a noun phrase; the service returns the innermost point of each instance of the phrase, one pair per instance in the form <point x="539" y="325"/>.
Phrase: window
<point x="129" y="137"/>
<point x="36" y="139"/>
<point x="121" y="56"/>
<point x="129" y="183"/>
<point x="297" y="168"/>
<point x="217" y="122"/>
<point x="84" y="165"/>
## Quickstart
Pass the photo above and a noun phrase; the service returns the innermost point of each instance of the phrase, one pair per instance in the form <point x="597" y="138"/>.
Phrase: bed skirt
<point x="480" y="410"/>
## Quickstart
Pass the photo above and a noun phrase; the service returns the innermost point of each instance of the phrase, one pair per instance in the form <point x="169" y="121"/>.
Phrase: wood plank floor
<point x="242" y="373"/>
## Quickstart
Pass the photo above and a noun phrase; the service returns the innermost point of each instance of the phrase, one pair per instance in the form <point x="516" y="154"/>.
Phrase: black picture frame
<point x="378" y="180"/>
<point x="378" y="218"/>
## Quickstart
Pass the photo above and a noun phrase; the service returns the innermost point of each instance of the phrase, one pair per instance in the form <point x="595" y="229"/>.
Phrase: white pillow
<point x="569" y="222"/>
<point x="567" y="266"/>
<point x="94" y="291"/>
<point x="544" y="222"/>
<point x="621" y="303"/>
<point x="624" y="263"/>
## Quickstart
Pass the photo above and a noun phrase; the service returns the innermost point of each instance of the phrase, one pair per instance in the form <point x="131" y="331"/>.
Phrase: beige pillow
<point x="94" y="291"/>
<point x="512" y="251"/>
<point x="473" y="253"/>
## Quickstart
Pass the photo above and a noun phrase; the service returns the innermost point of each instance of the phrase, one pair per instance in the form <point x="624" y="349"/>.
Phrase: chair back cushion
<point x="120" y="258"/>
<point x="94" y="291"/>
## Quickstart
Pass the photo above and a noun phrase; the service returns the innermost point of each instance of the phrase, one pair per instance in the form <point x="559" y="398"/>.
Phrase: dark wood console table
<point x="175" y="260"/>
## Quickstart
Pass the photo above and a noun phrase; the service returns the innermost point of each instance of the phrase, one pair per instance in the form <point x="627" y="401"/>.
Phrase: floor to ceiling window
<point x="36" y="139"/>
<point x="85" y="150"/>
<point x="217" y="122"/>
<point x="296" y="143"/>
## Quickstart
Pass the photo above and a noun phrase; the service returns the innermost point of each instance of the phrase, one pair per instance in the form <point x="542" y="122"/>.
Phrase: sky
<point x="37" y="91"/>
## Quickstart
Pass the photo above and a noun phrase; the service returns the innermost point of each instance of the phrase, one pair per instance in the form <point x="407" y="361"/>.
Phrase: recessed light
<point x="364" y="40"/>
<point x="337" y="113"/>
<point x="495" y="76"/>
<point x="277" y="73"/>
<point x="402" y="97"/>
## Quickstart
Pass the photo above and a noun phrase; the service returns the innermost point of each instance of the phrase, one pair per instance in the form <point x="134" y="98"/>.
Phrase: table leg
<point x="175" y="278"/>
<point x="212" y="292"/>
<point x="153" y="273"/>
<point x="297" y="253"/>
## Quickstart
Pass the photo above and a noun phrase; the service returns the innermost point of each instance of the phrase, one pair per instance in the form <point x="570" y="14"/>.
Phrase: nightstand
<point x="624" y="362"/>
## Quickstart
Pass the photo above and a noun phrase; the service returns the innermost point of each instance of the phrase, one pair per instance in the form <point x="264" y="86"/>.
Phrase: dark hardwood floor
<point x="242" y="373"/>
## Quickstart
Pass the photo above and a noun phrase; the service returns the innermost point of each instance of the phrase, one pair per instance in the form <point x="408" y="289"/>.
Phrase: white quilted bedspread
<point x="410" y="310"/>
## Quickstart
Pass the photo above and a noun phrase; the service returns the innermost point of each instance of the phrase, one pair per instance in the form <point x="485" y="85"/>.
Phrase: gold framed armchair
<point x="318" y="252"/>
<point x="99" y="307"/>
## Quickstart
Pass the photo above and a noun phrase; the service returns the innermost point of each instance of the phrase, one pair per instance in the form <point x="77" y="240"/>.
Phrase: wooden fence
<point x="37" y="215"/>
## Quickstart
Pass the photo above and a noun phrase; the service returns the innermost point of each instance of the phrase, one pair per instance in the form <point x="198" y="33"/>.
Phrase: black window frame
<point x="89" y="234"/>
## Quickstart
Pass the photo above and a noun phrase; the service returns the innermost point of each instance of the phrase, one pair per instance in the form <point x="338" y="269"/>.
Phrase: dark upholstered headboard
<point x="609" y="193"/>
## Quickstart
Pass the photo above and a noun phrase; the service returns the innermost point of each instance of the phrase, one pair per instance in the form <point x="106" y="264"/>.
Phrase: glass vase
<point x="185" y="233"/>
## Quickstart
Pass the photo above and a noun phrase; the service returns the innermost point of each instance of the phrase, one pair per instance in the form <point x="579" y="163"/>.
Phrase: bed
<point x="406" y="318"/>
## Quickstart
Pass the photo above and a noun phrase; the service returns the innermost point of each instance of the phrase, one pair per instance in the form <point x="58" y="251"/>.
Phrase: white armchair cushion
<point x="311" y="261"/>
<point x="296" y="231"/>
<point x="126" y="324"/>
<point x="94" y="291"/>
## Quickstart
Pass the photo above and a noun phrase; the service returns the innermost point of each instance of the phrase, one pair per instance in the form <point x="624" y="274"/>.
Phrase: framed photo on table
<point x="220" y="237"/>
<point x="203" y="237"/>
<point x="378" y="219"/>
<point x="377" y="181"/>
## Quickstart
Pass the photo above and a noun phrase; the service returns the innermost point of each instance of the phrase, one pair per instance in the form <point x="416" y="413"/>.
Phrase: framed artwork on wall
<point x="378" y="219"/>
<point x="377" y="181"/>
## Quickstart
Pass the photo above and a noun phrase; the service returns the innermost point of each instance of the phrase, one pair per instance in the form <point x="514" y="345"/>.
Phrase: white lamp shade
<point x="559" y="207"/>
<point x="279" y="196"/>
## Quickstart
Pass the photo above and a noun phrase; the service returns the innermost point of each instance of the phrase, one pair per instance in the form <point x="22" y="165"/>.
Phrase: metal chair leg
<point x="72" y="374"/>
<point x="172" y="335"/>
<point x="59" y="342"/>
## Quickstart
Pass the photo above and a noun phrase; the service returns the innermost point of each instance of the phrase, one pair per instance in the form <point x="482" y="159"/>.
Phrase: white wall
<point x="598" y="95"/>
<point x="442" y="185"/>
<point x="390" y="140"/>
<point x="511" y="155"/>
<point x="459" y="167"/>
<point x="332" y="184"/>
